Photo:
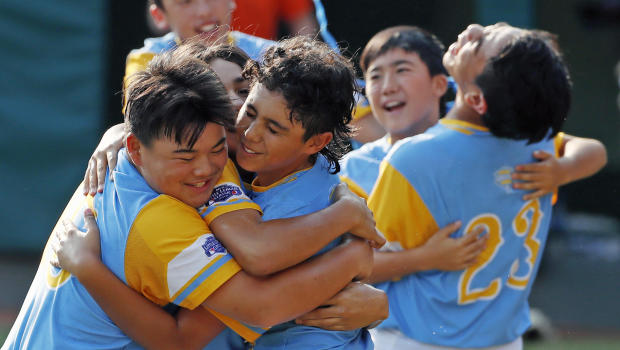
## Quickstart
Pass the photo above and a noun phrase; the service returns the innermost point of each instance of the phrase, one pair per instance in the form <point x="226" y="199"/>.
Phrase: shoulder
<point x="168" y="214"/>
<point x="156" y="45"/>
<point x="370" y="152"/>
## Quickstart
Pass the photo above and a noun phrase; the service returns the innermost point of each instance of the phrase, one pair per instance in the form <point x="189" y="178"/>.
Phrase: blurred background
<point x="62" y="67"/>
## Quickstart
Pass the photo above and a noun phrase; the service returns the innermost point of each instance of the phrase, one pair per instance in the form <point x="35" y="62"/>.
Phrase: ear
<point x="439" y="84"/>
<point x="317" y="142"/>
<point x="133" y="149"/>
<point x="475" y="100"/>
<point x="159" y="17"/>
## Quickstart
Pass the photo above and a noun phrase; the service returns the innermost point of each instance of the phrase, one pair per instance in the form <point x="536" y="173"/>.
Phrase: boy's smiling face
<point x="272" y="145"/>
<point x="403" y="95"/>
<point x="210" y="19"/>
<point x="185" y="173"/>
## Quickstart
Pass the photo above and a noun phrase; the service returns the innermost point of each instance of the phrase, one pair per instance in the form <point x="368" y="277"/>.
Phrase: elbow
<point x="257" y="265"/>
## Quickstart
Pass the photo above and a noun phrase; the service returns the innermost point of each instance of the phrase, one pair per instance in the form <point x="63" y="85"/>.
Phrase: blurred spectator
<point x="263" y="17"/>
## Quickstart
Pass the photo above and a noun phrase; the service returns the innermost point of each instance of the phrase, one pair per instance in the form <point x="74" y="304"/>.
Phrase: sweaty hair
<point x="411" y="39"/>
<point x="175" y="97"/>
<point x="527" y="89"/>
<point x="317" y="84"/>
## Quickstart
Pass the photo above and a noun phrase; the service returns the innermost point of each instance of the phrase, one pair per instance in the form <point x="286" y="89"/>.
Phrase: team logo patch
<point x="224" y="192"/>
<point x="212" y="246"/>
<point x="503" y="179"/>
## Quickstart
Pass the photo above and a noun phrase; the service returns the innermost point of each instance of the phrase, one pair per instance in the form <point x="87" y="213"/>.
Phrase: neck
<point x="462" y="111"/>
<point x="417" y="128"/>
<point x="269" y="177"/>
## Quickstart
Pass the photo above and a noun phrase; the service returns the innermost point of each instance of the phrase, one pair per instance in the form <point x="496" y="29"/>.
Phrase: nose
<point x="204" y="166"/>
<point x="250" y="130"/>
<point x="389" y="84"/>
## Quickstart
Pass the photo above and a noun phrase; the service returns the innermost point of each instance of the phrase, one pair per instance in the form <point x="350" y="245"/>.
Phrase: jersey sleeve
<point x="362" y="107"/>
<point x="171" y="256"/>
<point x="354" y="187"/>
<point x="136" y="62"/>
<point x="228" y="195"/>
<point x="399" y="211"/>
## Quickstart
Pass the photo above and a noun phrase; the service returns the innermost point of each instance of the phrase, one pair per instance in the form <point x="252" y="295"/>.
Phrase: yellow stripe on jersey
<point x="355" y="188"/>
<point x="558" y="141"/>
<point x="161" y="236"/>
<point x="231" y="175"/>
<point x="400" y="213"/>
<point x="463" y="124"/>
<point x="246" y="332"/>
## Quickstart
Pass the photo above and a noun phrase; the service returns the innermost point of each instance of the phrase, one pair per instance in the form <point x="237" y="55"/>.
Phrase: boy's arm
<point x="266" y="301"/>
<point x="578" y="158"/>
<point x="440" y="252"/>
<point x="264" y="247"/>
<point x="253" y="300"/>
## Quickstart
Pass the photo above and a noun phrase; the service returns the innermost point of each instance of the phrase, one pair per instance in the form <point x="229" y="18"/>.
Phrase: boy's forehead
<point x="497" y="36"/>
<point x="394" y="56"/>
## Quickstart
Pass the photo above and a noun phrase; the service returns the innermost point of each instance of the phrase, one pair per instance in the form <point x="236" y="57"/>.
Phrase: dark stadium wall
<point x="52" y="58"/>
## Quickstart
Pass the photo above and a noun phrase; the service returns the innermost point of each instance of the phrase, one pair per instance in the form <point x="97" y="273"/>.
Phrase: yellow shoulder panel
<point x="400" y="213"/>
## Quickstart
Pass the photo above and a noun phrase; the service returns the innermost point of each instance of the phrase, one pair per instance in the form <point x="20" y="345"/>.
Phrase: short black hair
<point x="175" y="97"/>
<point x="527" y="89"/>
<point x="411" y="39"/>
<point x="318" y="85"/>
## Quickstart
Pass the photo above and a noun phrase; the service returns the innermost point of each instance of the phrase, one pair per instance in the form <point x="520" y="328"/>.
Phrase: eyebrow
<point x="393" y="64"/>
<point x="191" y="150"/>
<point x="269" y="120"/>
<point x="239" y="80"/>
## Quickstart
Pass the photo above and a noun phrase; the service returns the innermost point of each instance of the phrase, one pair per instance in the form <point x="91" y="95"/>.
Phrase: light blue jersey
<point x="301" y="193"/>
<point x="459" y="171"/>
<point x="154" y="243"/>
<point x="360" y="167"/>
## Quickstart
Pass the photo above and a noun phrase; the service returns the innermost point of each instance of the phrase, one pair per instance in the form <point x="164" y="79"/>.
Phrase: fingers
<point x="542" y="155"/>
<point x="55" y="247"/>
<point x="332" y="324"/>
<point x="89" y="218"/>
<point x="526" y="176"/>
<point x="101" y="168"/>
<point x="89" y="185"/>
<point x="111" y="163"/>
<point x="378" y="241"/>
<point x="450" y="229"/>
<point x="321" y="313"/>
<point x="472" y="236"/>
<point x="534" y="195"/>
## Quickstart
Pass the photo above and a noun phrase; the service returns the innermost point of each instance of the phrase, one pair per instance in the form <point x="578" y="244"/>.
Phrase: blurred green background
<point x="63" y="63"/>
